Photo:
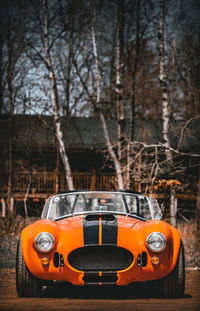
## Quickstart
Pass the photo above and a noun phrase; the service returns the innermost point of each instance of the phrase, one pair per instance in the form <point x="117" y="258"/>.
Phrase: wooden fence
<point x="46" y="183"/>
<point x="43" y="184"/>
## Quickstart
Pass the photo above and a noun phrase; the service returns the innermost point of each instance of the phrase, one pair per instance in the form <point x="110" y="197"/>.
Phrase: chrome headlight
<point x="156" y="242"/>
<point x="44" y="242"/>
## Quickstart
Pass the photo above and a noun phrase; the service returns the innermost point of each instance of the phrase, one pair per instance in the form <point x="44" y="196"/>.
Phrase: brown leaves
<point x="166" y="184"/>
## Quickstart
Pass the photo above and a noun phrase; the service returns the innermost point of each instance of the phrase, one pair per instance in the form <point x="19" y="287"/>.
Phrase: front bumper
<point x="100" y="270"/>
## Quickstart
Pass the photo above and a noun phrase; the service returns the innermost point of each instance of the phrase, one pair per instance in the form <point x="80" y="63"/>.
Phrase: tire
<point x="26" y="284"/>
<point x="173" y="286"/>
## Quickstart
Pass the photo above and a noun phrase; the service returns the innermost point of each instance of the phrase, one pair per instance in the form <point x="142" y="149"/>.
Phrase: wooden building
<point x="29" y="154"/>
<point x="36" y="160"/>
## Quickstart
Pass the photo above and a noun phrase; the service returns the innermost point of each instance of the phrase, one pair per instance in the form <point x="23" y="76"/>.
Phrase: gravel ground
<point x="99" y="299"/>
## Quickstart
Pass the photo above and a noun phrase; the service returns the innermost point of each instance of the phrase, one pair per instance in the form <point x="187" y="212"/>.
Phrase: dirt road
<point x="57" y="299"/>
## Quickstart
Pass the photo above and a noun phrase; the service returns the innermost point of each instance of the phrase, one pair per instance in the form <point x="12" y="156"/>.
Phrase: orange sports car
<point x="100" y="238"/>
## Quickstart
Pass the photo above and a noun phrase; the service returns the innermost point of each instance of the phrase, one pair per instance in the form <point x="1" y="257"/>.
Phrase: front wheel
<point x="173" y="285"/>
<point x="26" y="284"/>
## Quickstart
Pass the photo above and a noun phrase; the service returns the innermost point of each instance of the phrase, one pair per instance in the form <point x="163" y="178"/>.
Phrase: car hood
<point x="125" y="221"/>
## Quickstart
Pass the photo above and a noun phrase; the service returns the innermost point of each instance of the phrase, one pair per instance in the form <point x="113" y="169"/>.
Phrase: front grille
<point x="100" y="258"/>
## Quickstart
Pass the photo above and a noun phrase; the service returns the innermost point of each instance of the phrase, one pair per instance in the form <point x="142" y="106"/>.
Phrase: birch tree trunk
<point x="102" y="119"/>
<point x="135" y="69"/>
<point x="54" y="100"/>
<point x="162" y="76"/>
<point x="134" y="93"/>
<point x="111" y="152"/>
<point x="163" y="82"/>
<point x="98" y="75"/>
<point x="173" y="207"/>
<point x="96" y="102"/>
<point x="119" y="76"/>
<point x="26" y="197"/>
<point x="3" y="209"/>
<point x="68" y="82"/>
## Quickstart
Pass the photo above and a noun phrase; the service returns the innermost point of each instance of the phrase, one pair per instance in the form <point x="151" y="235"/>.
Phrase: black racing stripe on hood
<point x="109" y="231"/>
<point x="91" y="232"/>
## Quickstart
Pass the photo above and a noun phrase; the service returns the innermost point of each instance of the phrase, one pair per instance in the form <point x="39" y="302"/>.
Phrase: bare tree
<point x="159" y="26"/>
<point x="95" y="100"/>
<point x="102" y="119"/>
<point x="54" y="99"/>
<point x="119" y="76"/>
<point x="12" y="46"/>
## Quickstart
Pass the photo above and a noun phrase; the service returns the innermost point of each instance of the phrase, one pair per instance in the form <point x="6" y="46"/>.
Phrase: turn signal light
<point x="45" y="261"/>
<point x="155" y="260"/>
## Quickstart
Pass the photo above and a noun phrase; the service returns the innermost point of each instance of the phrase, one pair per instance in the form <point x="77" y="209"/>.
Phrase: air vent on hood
<point x="106" y="217"/>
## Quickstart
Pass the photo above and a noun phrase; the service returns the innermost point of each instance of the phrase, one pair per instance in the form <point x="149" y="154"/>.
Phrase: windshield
<point x="93" y="201"/>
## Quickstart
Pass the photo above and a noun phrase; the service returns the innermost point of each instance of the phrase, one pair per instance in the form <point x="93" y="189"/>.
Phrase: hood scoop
<point x="106" y="217"/>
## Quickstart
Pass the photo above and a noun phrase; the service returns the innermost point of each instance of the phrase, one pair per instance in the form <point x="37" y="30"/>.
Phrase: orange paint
<point x="100" y="231"/>
<point x="132" y="235"/>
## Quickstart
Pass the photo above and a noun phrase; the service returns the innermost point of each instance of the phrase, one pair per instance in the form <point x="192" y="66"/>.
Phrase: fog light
<point x="45" y="261"/>
<point x="155" y="260"/>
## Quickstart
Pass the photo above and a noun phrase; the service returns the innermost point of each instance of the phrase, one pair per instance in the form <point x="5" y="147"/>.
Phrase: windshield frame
<point x="122" y="193"/>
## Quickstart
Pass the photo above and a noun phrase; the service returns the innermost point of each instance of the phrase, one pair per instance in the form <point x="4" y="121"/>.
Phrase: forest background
<point x="118" y="59"/>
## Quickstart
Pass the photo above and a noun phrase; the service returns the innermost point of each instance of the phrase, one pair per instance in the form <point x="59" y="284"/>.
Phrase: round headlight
<point x="156" y="241"/>
<point x="44" y="242"/>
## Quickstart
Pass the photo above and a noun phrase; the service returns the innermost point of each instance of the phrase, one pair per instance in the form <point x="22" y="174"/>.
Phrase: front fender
<point x="32" y="257"/>
<point x="134" y="239"/>
<point x="169" y="255"/>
